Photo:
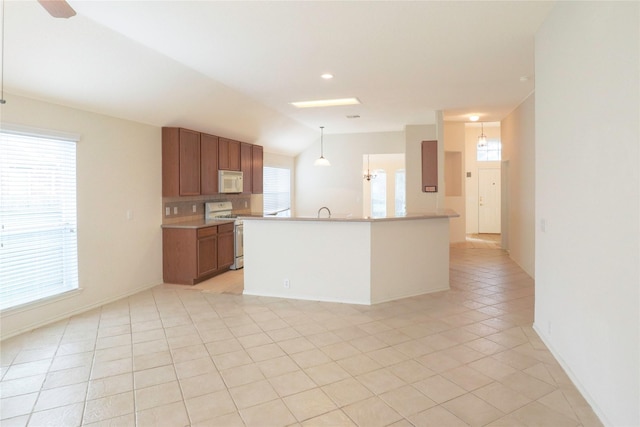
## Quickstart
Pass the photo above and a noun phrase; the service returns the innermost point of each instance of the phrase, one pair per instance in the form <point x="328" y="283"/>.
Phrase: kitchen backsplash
<point x="181" y="208"/>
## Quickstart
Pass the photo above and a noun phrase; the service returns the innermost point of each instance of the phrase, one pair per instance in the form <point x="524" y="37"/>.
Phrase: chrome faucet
<point x="320" y="210"/>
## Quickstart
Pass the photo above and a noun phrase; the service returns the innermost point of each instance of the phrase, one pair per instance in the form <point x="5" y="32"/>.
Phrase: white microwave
<point x="229" y="182"/>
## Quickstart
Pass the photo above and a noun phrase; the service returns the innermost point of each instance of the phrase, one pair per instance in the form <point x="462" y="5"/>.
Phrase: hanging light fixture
<point x="321" y="161"/>
<point x="368" y="175"/>
<point x="2" y="100"/>
<point x="482" y="139"/>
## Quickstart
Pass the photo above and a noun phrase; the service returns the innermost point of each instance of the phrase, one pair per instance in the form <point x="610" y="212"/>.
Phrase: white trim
<point x="574" y="379"/>
<point x="305" y="298"/>
<point x="32" y="305"/>
<point x="39" y="324"/>
<point x="38" y="132"/>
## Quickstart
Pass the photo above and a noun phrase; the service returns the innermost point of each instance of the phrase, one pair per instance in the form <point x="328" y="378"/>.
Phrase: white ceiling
<point x="232" y="68"/>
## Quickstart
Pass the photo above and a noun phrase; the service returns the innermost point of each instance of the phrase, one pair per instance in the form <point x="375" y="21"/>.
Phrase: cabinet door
<point x="226" y="254"/>
<point x="189" y="163"/>
<point x="234" y="155"/>
<point x="246" y="166"/>
<point x="257" y="165"/>
<point x="223" y="153"/>
<point x="170" y="162"/>
<point x="208" y="164"/>
<point x="179" y="255"/>
<point x="207" y="255"/>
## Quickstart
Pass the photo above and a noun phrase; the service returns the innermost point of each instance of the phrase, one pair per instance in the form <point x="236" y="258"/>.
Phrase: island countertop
<point x="440" y="213"/>
<point x="349" y="260"/>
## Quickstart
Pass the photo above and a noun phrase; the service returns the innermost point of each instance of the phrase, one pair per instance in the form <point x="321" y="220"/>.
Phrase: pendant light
<point x="369" y="176"/>
<point x="482" y="139"/>
<point x="322" y="161"/>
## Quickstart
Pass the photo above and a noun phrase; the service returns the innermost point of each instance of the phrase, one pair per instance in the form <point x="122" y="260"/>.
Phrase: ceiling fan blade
<point x="58" y="8"/>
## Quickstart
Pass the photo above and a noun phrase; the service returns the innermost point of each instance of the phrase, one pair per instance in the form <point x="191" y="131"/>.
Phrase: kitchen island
<point x="351" y="260"/>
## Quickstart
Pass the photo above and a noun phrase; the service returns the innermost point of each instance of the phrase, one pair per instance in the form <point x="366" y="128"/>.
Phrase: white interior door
<point x="489" y="201"/>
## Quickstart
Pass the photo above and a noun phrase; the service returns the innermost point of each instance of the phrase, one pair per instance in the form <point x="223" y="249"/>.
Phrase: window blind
<point x="277" y="191"/>
<point x="38" y="239"/>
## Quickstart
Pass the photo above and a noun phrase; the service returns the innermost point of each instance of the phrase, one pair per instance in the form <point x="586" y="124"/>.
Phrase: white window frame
<point x="493" y="146"/>
<point x="38" y="215"/>
<point x="276" y="203"/>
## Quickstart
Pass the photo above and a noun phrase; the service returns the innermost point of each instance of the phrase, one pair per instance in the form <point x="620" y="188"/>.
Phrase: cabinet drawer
<point x="207" y="231"/>
<point x="225" y="228"/>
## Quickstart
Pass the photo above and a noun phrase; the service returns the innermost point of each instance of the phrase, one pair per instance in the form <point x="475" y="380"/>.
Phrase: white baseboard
<point x="572" y="377"/>
<point x="40" y="323"/>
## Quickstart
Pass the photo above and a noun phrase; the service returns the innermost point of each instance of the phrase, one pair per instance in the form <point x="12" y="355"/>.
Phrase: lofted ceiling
<point x="233" y="68"/>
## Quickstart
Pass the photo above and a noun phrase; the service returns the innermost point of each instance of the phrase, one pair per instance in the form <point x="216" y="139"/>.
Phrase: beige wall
<point x="518" y="151"/>
<point x="417" y="201"/>
<point x="118" y="169"/>
<point x="339" y="186"/>
<point x="587" y="185"/>
<point x="454" y="141"/>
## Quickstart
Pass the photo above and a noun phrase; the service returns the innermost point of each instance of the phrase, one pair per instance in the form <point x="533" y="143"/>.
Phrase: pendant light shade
<point x="322" y="161"/>
<point x="482" y="139"/>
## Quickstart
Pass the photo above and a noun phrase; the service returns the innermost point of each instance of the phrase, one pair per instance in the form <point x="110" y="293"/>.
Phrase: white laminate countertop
<point x="440" y="213"/>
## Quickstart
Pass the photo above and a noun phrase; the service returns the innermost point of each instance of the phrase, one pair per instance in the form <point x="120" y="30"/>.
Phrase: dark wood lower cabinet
<point x="192" y="255"/>
<point x="207" y="255"/>
<point x="226" y="253"/>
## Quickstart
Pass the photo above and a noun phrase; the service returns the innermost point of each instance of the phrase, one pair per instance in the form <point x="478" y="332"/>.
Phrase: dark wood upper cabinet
<point x="246" y="165"/>
<point x="228" y="154"/>
<point x="191" y="161"/>
<point x="208" y="164"/>
<point x="256" y="165"/>
<point x="180" y="162"/>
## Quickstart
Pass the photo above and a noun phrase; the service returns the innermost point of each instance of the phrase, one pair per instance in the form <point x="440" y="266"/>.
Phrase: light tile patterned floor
<point x="178" y="356"/>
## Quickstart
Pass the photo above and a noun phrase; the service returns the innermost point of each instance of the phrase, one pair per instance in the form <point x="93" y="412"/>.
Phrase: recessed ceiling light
<point x="326" y="103"/>
<point x="327" y="76"/>
<point x="474" y="118"/>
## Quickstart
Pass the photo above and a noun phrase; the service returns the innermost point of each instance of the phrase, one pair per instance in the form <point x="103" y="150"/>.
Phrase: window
<point x="38" y="240"/>
<point x="379" y="193"/>
<point x="400" y="193"/>
<point x="491" y="152"/>
<point x="277" y="191"/>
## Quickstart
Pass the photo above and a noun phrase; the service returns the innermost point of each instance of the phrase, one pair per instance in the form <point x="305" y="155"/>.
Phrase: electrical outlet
<point x="246" y="204"/>
<point x="194" y="208"/>
<point x="287" y="284"/>
<point x="175" y="210"/>
<point x="167" y="211"/>
<point x="129" y="215"/>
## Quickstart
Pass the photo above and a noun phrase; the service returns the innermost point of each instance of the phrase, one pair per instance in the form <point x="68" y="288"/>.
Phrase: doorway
<point x="384" y="193"/>
<point x="489" y="206"/>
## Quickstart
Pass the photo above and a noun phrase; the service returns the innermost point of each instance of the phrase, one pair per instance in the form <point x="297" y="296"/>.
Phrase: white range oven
<point x="223" y="210"/>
